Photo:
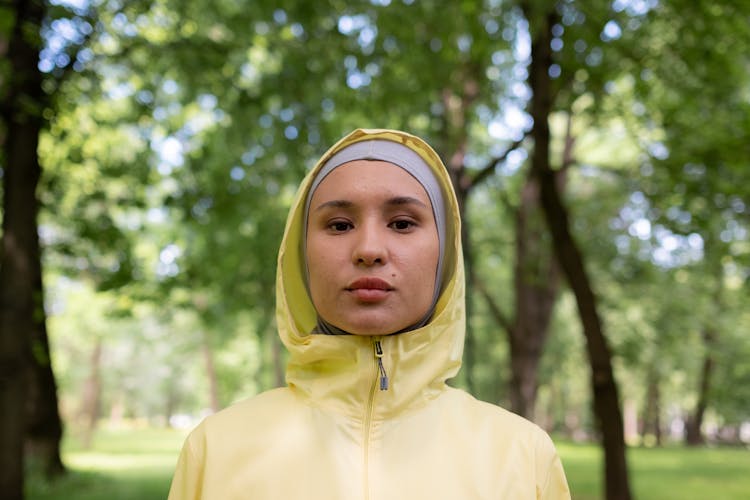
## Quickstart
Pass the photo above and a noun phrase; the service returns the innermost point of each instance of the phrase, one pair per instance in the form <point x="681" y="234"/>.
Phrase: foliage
<point x="176" y="140"/>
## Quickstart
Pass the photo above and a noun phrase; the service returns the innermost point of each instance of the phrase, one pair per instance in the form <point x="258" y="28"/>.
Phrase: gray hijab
<point x="409" y="160"/>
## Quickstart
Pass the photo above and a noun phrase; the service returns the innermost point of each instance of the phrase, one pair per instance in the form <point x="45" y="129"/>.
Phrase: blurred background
<point x="600" y="151"/>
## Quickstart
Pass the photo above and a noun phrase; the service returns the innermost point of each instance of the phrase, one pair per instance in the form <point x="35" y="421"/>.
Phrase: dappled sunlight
<point x="120" y="462"/>
<point x="154" y="151"/>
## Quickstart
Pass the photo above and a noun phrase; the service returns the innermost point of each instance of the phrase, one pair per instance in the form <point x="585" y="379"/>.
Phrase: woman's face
<point x="372" y="248"/>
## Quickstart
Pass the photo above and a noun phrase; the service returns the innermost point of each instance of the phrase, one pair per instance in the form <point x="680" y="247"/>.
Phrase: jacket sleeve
<point x="553" y="485"/>
<point x="187" y="482"/>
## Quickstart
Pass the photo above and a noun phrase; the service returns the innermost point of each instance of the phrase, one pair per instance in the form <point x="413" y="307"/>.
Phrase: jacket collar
<point x="340" y="372"/>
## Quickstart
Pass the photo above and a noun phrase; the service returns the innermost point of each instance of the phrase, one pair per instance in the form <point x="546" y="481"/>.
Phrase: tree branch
<point x="570" y="140"/>
<point x="490" y="166"/>
<point x="497" y="313"/>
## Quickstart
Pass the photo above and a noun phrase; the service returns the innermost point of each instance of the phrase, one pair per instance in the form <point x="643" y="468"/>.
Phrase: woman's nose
<point x="369" y="248"/>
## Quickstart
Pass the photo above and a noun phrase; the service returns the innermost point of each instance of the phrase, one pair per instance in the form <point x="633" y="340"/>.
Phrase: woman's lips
<point x="369" y="289"/>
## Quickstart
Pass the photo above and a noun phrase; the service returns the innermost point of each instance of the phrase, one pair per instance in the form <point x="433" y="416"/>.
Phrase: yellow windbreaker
<point x="333" y="434"/>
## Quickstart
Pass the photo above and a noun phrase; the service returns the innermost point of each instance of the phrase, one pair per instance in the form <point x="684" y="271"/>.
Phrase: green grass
<point x="125" y="464"/>
<point x="668" y="473"/>
<point x="137" y="464"/>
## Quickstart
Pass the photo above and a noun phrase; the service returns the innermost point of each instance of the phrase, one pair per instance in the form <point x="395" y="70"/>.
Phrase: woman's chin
<point x="371" y="328"/>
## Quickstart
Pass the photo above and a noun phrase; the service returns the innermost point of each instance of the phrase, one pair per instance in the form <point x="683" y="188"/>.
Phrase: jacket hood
<point x="338" y="370"/>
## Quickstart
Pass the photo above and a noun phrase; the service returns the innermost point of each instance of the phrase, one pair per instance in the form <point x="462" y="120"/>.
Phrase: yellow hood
<point x="337" y="370"/>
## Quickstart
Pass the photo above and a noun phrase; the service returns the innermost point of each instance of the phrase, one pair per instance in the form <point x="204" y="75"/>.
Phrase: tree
<point x="695" y="178"/>
<point x="605" y="393"/>
<point x="25" y="350"/>
<point x="176" y="145"/>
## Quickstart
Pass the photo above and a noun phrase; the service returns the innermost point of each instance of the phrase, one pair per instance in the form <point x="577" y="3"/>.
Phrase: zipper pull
<point x="383" y="375"/>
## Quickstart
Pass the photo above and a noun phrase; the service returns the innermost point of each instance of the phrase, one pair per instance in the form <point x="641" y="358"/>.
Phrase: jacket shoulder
<point x="489" y="413"/>
<point x="263" y="411"/>
<point x="517" y="439"/>
<point x="498" y="425"/>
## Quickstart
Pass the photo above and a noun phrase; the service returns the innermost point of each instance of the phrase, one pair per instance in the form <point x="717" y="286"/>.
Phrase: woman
<point x="370" y="305"/>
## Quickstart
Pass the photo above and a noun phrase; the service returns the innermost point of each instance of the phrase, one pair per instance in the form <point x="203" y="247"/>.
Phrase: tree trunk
<point x="536" y="283"/>
<point x="272" y="370"/>
<point x="693" y="433"/>
<point x="605" y="394"/>
<point x="469" y="357"/>
<point x="45" y="430"/>
<point x="20" y="258"/>
<point x="213" y="382"/>
<point x="279" y="371"/>
<point x="454" y="143"/>
<point x="652" y="410"/>
<point x="91" y="397"/>
<point x="171" y="402"/>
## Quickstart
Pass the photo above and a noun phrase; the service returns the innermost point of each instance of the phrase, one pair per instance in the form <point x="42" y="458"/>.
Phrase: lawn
<point x="668" y="473"/>
<point x="124" y="464"/>
<point x="137" y="464"/>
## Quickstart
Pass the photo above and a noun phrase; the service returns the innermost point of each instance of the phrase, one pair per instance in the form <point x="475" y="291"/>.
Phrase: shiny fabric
<point x="332" y="433"/>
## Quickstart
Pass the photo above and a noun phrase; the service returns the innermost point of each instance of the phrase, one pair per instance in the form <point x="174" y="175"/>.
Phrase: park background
<point x="600" y="151"/>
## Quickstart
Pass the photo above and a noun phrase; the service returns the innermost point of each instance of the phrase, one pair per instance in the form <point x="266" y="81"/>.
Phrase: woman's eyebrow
<point x="335" y="204"/>
<point x="406" y="200"/>
<point x="395" y="201"/>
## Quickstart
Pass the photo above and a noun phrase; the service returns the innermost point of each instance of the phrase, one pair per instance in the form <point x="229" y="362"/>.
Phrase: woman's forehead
<point x="365" y="179"/>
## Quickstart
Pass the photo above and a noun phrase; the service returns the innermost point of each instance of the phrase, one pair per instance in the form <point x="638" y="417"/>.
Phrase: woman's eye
<point x="340" y="226"/>
<point x="402" y="225"/>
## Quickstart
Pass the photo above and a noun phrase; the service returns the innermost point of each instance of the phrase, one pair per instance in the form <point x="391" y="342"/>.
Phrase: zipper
<point x="381" y="369"/>
<point x="382" y="377"/>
